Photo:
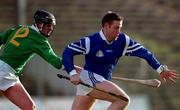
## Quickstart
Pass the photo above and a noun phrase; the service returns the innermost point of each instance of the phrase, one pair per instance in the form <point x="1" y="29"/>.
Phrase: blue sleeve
<point x="70" y="51"/>
<point x="136" y="49"/>
<point x="68" y="58"/>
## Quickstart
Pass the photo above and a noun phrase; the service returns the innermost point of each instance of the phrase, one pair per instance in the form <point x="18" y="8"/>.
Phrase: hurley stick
<point x="148" y="82"/>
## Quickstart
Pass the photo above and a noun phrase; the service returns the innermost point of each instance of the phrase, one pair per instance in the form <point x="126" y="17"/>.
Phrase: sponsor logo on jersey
<point x="109" y="50"/>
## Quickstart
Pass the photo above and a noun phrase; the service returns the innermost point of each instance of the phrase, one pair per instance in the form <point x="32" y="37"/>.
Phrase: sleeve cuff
<point x="162" y="68"/>
<point x="73" y="72"/>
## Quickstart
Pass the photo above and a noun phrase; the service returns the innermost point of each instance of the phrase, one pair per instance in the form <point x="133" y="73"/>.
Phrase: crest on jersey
<point x="99" y="54"/>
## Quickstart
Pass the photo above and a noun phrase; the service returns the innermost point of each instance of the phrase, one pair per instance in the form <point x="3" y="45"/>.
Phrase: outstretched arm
<point x="135" y="49"/>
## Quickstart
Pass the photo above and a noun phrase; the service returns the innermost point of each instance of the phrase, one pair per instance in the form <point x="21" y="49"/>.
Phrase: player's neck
<point x="107" y="36"/>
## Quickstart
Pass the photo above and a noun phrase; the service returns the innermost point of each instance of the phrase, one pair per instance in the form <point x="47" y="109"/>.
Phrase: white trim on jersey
<point x="75" y="49"/>
<point x="77" y="46"/>
<point x="87" y="43"/>
<point x="127" y="44"/>
<point x="133" y="46"/>
<point x="137" y="48"/>
<point x="80" y="48"/>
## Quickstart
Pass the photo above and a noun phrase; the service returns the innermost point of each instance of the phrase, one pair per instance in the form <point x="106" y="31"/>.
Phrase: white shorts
<point x="89" y="78"/>
<point x="7" y="76"/>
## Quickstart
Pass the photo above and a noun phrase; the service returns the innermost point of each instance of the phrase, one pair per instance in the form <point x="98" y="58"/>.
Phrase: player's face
<point x="114" y="29"/>
<point x="48" y="29"/>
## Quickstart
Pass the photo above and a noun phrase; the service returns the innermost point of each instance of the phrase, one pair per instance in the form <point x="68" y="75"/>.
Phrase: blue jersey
<point x="101" y="56"/>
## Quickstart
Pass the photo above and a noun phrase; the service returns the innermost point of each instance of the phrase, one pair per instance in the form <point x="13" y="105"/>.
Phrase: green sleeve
<point x="4" y="36"/>
<point x="47" y="53"/>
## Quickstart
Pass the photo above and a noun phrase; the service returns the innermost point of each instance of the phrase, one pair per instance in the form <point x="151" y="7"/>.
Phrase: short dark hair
<point x="110" y="16"/>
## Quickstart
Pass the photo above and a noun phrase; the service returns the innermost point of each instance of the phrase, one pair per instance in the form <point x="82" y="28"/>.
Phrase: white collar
<point x="103" y="37"/>
<point x="34" y="28"/>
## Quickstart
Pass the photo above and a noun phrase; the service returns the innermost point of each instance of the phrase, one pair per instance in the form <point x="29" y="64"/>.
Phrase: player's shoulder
<point x="22" y="28"/>
<point x="14" y="28"/>
<point x="94" y="36"/>
<point x="35" y="37"/>
<point x="90" y="37"/>
<point x="11" y="30"/>
<point x="122" y="36"/>
<point x="34" y="32"/>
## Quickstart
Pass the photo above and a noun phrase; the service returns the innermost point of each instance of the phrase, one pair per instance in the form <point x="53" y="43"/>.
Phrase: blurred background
<point x="153" y="23"/>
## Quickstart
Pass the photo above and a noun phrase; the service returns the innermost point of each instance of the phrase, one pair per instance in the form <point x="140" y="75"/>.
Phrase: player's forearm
<point x="152" y="61"/>
<point x="149" y="57"/>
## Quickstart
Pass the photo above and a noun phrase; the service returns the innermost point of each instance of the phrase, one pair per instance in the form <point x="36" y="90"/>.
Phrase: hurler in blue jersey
<point x="102" y="51"/>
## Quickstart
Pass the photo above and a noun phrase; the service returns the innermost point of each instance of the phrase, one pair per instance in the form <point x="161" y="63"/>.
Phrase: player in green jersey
<point x="20" y="45"/>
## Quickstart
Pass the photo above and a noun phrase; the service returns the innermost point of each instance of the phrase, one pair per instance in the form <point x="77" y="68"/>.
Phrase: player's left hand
<point x="169" y="75"/>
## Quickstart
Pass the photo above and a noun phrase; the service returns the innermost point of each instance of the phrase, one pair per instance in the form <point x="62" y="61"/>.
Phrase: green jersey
<point x="21" y="43"/>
